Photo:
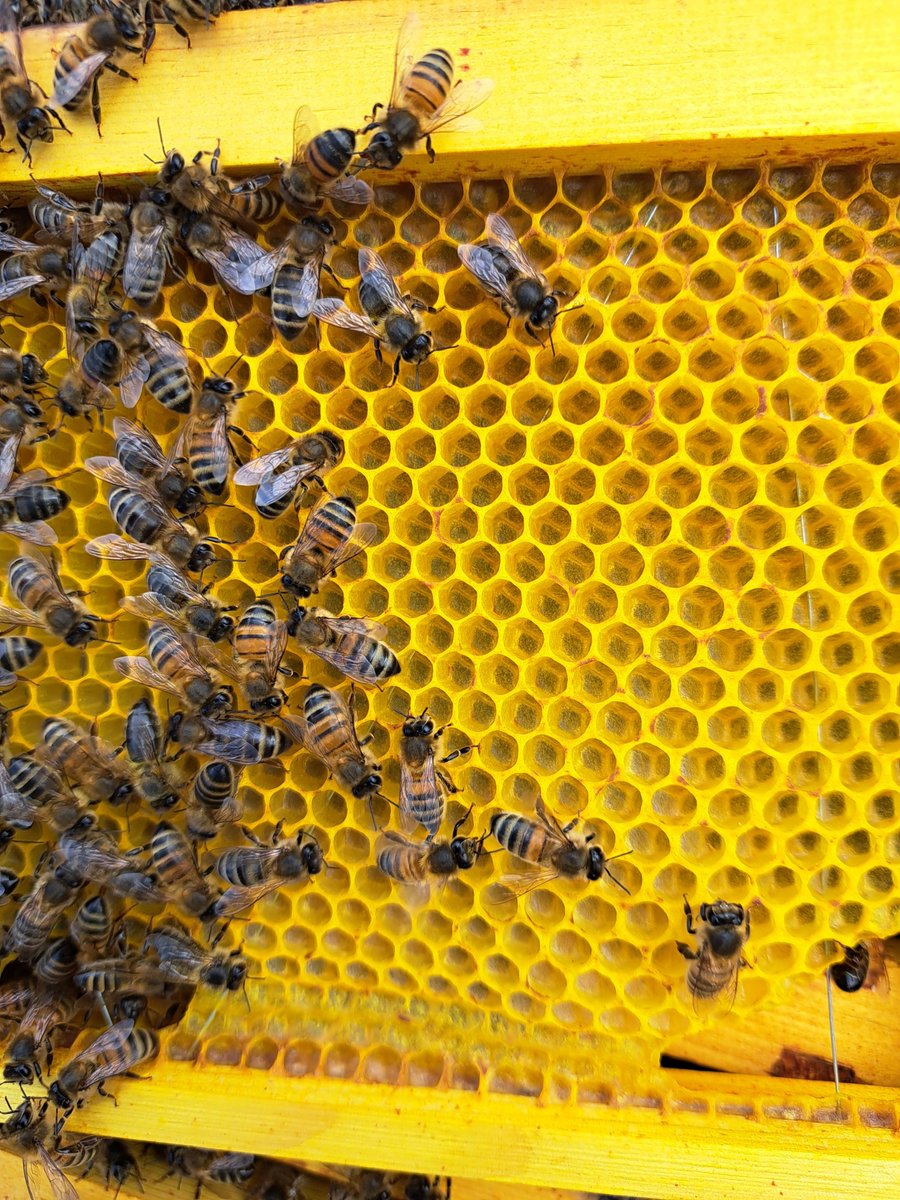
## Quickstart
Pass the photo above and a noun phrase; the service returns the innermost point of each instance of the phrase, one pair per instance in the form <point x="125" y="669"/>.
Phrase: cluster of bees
<point x="70" y="955"/>
<point x="121" y="1162"/>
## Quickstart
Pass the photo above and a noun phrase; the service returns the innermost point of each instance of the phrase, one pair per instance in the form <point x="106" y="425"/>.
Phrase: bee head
<point x="219" y="702"/>
<point x="82" y="633"/>
<point x="28" y="408"/>
<point x="367" y="785"/>
<point x="221" y="628"/>
<point x="312" y="857"/>
<point x="157" y="195"/>
<point x="382" y="151"/>
<point x="421" y="726"/>
<point x="18" y="1073"/>
<point x="58" y="1097"/>
<point x="201" y="557"/>
<point x="237" y="973"/>
<point x="172" y="167"/>
<point x="34" y="126"/>
<point x="271" y="703"/>
<point x="418" y="348"/>
<point x="303" y="590"/>
<point x="596" y="863"/>
<point x="545" y="312"/>
<point x="32" y="371"/>
<point x="189" y="499"/>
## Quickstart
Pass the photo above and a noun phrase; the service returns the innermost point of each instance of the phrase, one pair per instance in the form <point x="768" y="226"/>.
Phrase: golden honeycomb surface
<point x="652" y="575"/>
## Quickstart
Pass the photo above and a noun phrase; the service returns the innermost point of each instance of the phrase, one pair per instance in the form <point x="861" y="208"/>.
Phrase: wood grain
<point x="577" y="85"/>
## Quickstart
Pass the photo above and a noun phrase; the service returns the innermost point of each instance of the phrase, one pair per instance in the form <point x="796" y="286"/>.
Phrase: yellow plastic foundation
<point x="652" y="576"/>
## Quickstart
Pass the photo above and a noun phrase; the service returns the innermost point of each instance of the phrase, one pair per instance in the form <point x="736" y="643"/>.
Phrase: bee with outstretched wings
<point x="23" y="1133"/>
<point x="353" y="645"/>
<point x="280" y="476"/>
<point x="318" y="166"/>
<point x="330" y="537"/>
<point x="423" y="100"/>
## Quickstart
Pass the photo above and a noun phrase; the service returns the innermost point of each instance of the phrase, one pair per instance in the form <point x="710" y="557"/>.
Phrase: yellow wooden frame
<point x="578" y="86"/>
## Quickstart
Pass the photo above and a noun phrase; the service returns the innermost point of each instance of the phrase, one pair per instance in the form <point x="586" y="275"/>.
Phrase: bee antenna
<point x="617" y="882"/>
<point x="462" y="820"/>
<point x="622" y="854"/>
<point x="236" y="362"/>
<point x="161" y="139"/>
<point x="550" y="338"/>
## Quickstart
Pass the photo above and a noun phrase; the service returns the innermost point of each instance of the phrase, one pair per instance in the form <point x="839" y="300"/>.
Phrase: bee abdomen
<point x="328" y="155"/>
<point x="399" y="864"/>
<point x="73" y="53"/>
<point x="518" y="835"/>
<point x="133" y="515"/>
<point x="289" y="325"/>
<point x="170" y="385"/>
<point x="17" y="651"/>
<point x="429" y="81"/>
<point x="214" y="783"/>
<point x="240" y="868"/>
<point x="40" y="502"/>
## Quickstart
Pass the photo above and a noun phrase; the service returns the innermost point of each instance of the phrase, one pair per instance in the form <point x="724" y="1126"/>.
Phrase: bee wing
<point x="114" y="546"/>
<point x="15" y="245"/>
<point x="235" y="899"/>
<point x="374" y="629"/>
<point x="62" y="1188"/>
<point x="164" y="343"/>
<point x="335" y="312"/>
<point x="454" y="112"/>
<point x="151" y="606"/>
<point x="179" y="957"/>
<point x="12" y="287"/>
<point x="110" y="470"/>
<point x="141" y="670"/>
<point x="141" y="259"/>
<point x="258" y="469"/>
<point x="276" y="643"/>
<point x="114" y="1037"/>
<point x="275" y="487"/>
<point x="8" y="456"/>
<point x="350" y="189"/>
<point x="372" y="265"/>
<point x="404" y="58"/>
<point x="362" y="537"/>
<point x="234" y="262"/>
<point x="519" y="883"/>
<point x="306" y="126"/>
<point x="132" y="382"/>
<point x="15" y="616"/>
<point x="14" y="808"/>
<point x="427" y="807"/>
<point x="550" y="823"/>
<point x="253" y="276"/>
<point x="481" y="263"/>
<point x="38" y="533"/>
<point x="723" y="997"/>
<point x="499" y="231"/>
<point x="150" y="449"/>
<point x="68" y="87"/>
<point x="304" y="295"/>
<point x="108" y="1040"/>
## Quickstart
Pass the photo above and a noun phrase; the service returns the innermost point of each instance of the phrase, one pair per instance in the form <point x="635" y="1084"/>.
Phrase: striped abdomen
<point x="169" y="382"/>
<point x="289" y="325"/>
<point x="420" y="793"/>
<point x="326" y="722"/>
<point x="404" y="863"/>
<point x="209" y="468"/>
<point x="72" y="55"/>
<point x="243" y="866"/>
<point x="30" y="584"/>
<point x="260" y="206"/>
<point x="214" y="784"/>
<point x="526" y="839"/>
<point x="428" y="83"/>
<point x="17" y="651"/>
<point x="328" y="155"/>
<point x="40" y="502"/>
<point x="363" y="657"/>
<point x="253" y="634"/>
<point x="135" y="516"/>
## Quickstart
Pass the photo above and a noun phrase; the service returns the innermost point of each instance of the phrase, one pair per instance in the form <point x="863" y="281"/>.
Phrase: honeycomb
<point x="652" y="575"/>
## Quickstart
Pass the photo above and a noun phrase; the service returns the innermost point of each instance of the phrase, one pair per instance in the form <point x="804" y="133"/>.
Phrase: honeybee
<point x="87" y="300"/>
<point x="423" y="100"/>
<point x="318" y="167"/>
<point x="26" y="501"/>
<point x="144" y="743"/>
<point x="172" y="666"/>
<point x="863" y="966"/>
<point x="20" y="415"/>
<point x="184" y="961"/>
<point x="259" y="644"/>
<point x="254" y="871"/>
<point x="118" y="358"/>
<point x="131" y="980"/>
<point x="232" y="739"/>
<point x="209" y="1166"/>
<point x="153" y="231"/>
<point x="90" y="853"/>
<point x="351" y="644"/>
<point x="138" y="512"/>
<point x="47" y="1009"/>
<point x="119" y="1164"/>
<point x="16" y="652"/>
<point x="715" y="964"/>
<point x="390" y="319"/>
<point x="86" y="760"/>
<point x="23" y="105"/>
<point x="328" y="730"/>
<point x="114" y="30"/>
<point x="170" y="594"/>
<point x="37" y="587"/>
<point x="44" y="791"/>
<point x="281" y="475"/>
<point x="292" y="271"/>
<point x="550" y="849"/>
<point x="422" y="785"/>
<point x="38" y="913"/>
<point x="172" y="859"/>
<point x="117" y="1051"/>
<point x="212" y="802"/>
<point x="60" y="216"/>
<point x="139" y="454"/>
<point x="414" y="862"/>
<point x="57" y="964"/>
<point x="211" y="239"/>
<point x="504" y="271"/>
<point x="91" y="927"/>
<point x="24" y="1133"/>
<point x="20" y="373"/>
<point x="202" y="189"/>
<point x="78" y="396"/>
<point x="168" y="381"/>
<point x="329" y="538"/>
<point x="31" y="266"/>
<point x="204" y="439"/>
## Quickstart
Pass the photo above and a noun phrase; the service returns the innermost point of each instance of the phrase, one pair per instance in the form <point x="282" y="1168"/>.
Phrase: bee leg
<point x="457" y="753"/>
<point x="95" y="103"/>
<point x="686" y="951"/>
<point x="101" y="1091"/>
<point x="179" y="29"/>
<point x="429" y="149"/>
<point x="447" y="782"/>
<point x="334" y="276"/>
<point x="378" y="356"/>
<point x="120" y="71"/>
<point x="55" y="114"/>
<point x="26" y="152"/>
<point x="397" y="369"/>
<point x="688" y="912"/>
